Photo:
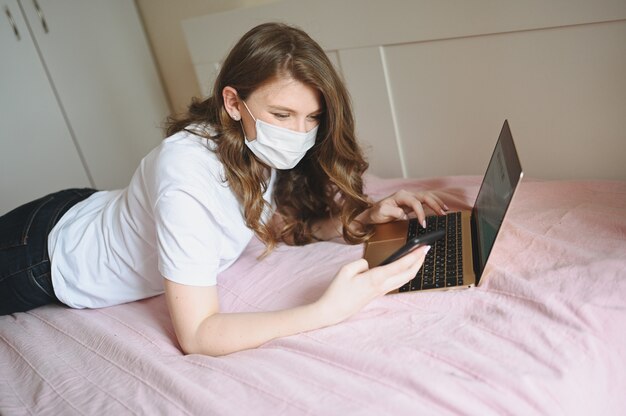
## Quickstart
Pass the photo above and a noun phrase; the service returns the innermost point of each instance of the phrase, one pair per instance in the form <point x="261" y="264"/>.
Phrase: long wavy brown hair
<point x="327" y="182"/>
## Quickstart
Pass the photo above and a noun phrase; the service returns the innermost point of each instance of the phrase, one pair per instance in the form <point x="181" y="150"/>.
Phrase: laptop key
<point x="416" y="283"/>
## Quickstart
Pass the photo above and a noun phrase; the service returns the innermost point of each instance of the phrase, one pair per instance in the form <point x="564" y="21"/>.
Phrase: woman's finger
<point x="403" y="263"/>
<point x="440" y="202"/>
<point x="415" y="201"/>
<point x="419" y="211"/>
<point x="355" y="267"/>
<point x="385" y="212"/>
<point x="400" y="204"/>
<point x="434" y="204"/>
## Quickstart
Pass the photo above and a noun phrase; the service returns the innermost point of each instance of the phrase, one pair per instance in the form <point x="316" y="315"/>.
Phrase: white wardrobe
<point x="80" y="98"/>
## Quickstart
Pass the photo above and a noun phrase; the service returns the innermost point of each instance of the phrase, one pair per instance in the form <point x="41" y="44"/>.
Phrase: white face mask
<point x="278" y="147"/>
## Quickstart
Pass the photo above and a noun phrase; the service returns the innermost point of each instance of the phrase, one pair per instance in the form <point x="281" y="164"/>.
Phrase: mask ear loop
<point x="243" y="130"/>
<point x="249" y="112"/>
<point x="238" y="118"/>
<point x="241" y="122"/>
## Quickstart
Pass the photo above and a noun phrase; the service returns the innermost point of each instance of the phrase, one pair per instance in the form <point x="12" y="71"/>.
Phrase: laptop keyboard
<point x="443" y="266"/>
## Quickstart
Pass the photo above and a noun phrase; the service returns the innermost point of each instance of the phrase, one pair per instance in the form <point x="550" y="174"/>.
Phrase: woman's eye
<point x="280" y="115"/>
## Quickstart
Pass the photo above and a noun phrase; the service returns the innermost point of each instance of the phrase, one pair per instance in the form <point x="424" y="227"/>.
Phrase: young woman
<point x="272" y="153"/>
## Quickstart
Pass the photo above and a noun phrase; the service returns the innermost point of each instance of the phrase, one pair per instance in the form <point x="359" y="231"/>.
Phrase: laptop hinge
<point x="475" y="252"/>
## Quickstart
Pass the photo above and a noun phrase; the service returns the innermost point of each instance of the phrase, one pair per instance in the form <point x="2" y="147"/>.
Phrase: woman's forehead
<point x="289" y="93"/>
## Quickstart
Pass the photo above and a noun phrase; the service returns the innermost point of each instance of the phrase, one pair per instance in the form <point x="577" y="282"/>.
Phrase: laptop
<point x="457" y="260"/>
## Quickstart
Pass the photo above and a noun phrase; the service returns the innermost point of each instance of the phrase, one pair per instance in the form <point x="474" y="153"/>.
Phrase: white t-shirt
<point x="177" y="219"/>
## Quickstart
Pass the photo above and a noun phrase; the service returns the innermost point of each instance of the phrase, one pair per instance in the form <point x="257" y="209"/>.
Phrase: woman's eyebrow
<point x="289" y="110"/>
<point x="280" y="108"/>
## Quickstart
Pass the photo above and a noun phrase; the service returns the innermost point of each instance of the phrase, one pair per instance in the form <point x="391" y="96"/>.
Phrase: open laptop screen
<point x="501" y="178"/>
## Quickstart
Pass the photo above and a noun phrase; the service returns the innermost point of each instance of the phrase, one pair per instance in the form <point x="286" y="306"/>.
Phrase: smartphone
<point x="424" y="239"/>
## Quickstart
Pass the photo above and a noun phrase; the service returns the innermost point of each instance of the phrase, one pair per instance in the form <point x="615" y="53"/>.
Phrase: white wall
<point x="162" y="22"/>
<point x="432" y="81"/>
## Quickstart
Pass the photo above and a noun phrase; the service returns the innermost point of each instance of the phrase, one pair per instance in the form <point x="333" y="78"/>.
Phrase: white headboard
<point x="433" y="80"/>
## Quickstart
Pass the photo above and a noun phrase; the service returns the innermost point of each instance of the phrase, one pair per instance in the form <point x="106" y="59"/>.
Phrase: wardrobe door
<point x="101" y="66"/>
<point x="37" y="154"/>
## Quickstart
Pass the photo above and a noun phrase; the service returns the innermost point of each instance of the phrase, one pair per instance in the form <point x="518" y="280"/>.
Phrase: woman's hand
<point x="399" y="205"/>
<point x="356" y="285"/>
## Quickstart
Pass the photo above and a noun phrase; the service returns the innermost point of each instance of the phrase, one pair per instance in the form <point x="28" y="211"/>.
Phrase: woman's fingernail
<point x="446" y="207"/>
<point x="427" y="250"/>
<point x="424" y="224"/>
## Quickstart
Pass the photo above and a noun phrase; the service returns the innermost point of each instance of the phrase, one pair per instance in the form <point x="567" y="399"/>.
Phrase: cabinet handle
<point x="12" y="22"/>
<point x="41" y="16"/>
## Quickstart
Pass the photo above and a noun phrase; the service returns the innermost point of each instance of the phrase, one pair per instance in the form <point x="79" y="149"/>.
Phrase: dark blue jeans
<point x="25" y="281"/>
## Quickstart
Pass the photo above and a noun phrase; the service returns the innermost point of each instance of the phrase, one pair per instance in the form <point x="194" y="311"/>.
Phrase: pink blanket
<point x="544" y="333"/>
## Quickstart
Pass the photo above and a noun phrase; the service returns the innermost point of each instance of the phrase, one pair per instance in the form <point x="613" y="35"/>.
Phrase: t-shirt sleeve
<point x="188" y="238"/>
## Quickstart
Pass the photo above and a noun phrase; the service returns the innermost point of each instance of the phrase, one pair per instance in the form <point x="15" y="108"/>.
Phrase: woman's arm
<point x="202" y="329"/>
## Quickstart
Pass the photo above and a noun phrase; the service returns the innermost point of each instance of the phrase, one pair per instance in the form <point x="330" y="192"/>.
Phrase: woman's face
<point x="283" y="102"/>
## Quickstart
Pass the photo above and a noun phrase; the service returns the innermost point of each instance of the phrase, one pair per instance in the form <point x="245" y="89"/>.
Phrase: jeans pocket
<point x="27" y="289"/>
<point x="43" y="280"/>
<point x="15" y="225"/>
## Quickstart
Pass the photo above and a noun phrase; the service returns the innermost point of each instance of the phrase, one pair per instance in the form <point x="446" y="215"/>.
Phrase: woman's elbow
<point x="191" y="345"/>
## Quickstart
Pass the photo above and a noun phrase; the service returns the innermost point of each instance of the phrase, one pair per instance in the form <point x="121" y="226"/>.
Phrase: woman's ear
<point x="231" y="102"/>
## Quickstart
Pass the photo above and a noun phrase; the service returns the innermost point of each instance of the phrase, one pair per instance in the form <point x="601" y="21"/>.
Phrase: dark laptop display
<point x="503" y="174"/>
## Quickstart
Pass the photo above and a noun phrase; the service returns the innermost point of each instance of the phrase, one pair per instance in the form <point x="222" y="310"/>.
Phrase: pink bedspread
<point x="544" y="333"/>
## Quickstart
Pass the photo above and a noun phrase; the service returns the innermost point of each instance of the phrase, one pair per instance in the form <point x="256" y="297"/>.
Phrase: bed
<point x="544" y="333"/>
